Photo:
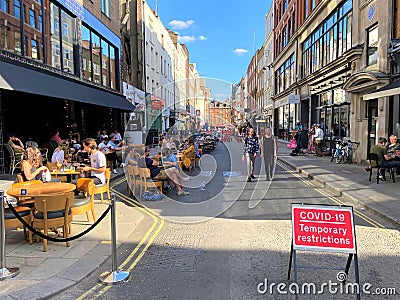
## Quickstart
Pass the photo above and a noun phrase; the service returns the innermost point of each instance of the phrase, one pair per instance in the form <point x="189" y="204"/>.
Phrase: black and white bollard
<point x="114" y="276"/>
<point x="4" y="271"/>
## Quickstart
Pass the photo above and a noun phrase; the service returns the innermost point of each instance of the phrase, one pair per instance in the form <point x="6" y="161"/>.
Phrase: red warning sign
<point x="323" y="228"/>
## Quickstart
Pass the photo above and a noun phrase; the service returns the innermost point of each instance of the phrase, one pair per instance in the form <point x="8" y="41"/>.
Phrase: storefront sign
<point x="156" y="103"/>
<point x="323" y="228"/>
<point x="293" y="99"/>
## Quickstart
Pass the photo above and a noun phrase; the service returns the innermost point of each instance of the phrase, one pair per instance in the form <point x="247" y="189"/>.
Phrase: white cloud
<point x="240" y="51"/>
<point x="190" y="38"/>
<point x="179" y="25"/>
<point x="186" y="39"/>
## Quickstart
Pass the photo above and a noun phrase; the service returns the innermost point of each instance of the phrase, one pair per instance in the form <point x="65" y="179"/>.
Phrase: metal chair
<point x="15" y="159"/>
<point x="373" y="160"/>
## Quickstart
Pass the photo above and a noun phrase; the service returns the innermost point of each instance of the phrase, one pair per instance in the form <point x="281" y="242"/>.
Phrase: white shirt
<point x="319" y="134"/>
<point x="98" y="160"/>
<point x="58" y="157"/>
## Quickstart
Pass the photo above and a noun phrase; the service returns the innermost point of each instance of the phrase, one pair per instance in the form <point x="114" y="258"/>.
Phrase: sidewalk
<point x="43" y="274"/>
<point x="350" y="181"/>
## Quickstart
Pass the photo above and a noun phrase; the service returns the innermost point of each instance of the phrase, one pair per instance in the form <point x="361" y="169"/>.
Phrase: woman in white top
<point x="60" y="153"/>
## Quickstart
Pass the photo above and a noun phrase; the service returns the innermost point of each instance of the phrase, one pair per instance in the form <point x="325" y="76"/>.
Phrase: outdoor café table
<point x="47" y="188"/>
<point x="66" y="172"/>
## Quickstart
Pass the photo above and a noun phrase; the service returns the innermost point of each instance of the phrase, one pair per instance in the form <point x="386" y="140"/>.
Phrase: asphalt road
<point x="226" y="249"/>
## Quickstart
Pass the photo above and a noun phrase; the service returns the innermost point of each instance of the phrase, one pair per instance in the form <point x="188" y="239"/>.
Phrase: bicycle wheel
<point x="349" y="157"/>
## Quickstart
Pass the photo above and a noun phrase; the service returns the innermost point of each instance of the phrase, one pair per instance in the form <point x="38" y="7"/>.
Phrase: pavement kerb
<point x="345" y="195"/>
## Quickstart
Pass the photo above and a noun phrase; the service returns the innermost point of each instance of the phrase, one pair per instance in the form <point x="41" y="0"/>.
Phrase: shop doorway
<point x="372" y="111"/>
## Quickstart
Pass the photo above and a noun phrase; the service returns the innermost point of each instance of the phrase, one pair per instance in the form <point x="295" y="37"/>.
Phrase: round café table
<point x="42" y="189"/>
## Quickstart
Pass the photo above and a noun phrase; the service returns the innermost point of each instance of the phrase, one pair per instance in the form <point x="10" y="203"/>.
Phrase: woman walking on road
<point x="269" y="150"/>
<point x="250" y="149"/>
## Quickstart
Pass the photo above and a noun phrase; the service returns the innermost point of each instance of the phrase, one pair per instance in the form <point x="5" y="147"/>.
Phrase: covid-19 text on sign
<point x="323" y="228"/>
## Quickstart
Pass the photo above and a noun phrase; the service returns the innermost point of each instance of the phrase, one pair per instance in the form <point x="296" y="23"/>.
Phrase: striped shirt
<point x="251" y="145"/>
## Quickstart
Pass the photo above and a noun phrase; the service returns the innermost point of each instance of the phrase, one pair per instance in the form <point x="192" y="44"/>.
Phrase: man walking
<point x="318" y="137"/>
<point x="269" y="152"/>
<point x="250" y="149"/>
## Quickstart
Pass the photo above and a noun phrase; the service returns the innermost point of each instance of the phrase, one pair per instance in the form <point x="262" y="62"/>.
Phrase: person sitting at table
<point x="31" y="165"/>
<point x="60" y="153"/>
<point x="131" y="156"/>
<point x="97" y="161"/>
<point x="393" y="149"/>
<point x="110" y="152"/>
<point x="384" y="160"/>
<point x="189" y="153"/>
<point x="16" y="144"/>
<point x="156" y="173"/>
<point x="116" y="146"/>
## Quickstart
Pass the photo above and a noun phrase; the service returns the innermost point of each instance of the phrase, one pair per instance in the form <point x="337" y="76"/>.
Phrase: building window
<point x="285" y="76"/>
<point x="105" y="7"/>
<point x="40" y="23"/>
<point x="17" y="42"/>
<point x="285" y="37"/>
<point x="17" y="9"/>
<point x="32" y="18"/>
<point x="99" y="58"/>
<point x="34" y="49"/>
<point x="372" y="50"/>
<point x="329" y="41"/>
<point x="5" y="6"/>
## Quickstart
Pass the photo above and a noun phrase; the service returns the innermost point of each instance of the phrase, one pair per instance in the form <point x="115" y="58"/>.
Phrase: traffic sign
<point x="323" y="228"/>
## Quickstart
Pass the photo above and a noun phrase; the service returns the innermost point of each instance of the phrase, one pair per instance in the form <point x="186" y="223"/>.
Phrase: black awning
<point x="386" y="91"/>
<point x="18" y="78"/>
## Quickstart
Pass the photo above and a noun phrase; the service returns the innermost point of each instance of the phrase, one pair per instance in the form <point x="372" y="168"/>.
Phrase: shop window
<point x="5" y="6"/>
<point x="105" y="60"/>
<point x="372" y="44"/>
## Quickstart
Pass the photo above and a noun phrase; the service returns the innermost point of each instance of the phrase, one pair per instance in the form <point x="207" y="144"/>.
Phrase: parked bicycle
<point x="343" y="151"/>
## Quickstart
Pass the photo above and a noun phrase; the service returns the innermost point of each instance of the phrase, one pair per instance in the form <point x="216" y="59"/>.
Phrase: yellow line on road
<point x="155" y="218"/>
<point x="334" y="199"/>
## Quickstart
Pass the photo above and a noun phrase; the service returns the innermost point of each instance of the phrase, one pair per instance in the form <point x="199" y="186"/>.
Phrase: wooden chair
<point x="86" y="203"/>
<point x="192" y="157"/>
<point x="11" y="221"/>
<point x="132" y="179"/>
<point x="374" y="163"/>
<point x="104" y="188"/>
<point x="20" y="178"/>
<point x="53" y="211"/>
<point x="147" y="182"/>
<point x="15" y="159"/>
<point x="137" y="179"/>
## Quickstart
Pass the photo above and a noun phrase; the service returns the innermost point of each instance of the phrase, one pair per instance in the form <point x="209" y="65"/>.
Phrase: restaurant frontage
<point x="36" y="102"/>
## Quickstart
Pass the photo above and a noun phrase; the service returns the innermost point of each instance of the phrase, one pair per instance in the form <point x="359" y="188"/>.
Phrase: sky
<point x="221" y="35"/>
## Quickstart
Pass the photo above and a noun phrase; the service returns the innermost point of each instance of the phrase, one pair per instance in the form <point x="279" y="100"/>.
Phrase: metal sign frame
<point x="351" y="252"/>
